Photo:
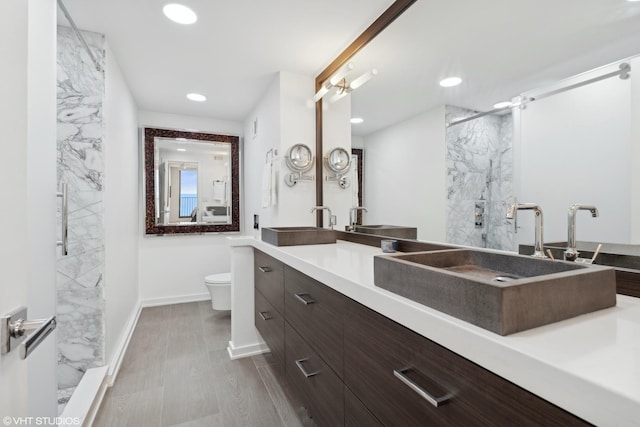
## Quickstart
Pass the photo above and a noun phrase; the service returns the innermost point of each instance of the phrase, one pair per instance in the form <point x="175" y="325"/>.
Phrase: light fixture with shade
<point x="332" y="81"/>
<point x="179" y="13"/>
<point x="344" y="88"/>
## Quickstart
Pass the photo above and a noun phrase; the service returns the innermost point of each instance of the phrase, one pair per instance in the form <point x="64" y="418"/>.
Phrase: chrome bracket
<point x="16" y="331"/>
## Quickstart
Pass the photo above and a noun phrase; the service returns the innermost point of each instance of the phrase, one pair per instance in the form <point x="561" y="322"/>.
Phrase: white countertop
<point x="588" y="365"/>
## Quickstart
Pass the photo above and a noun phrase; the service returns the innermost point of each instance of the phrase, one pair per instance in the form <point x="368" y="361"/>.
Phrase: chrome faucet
<point x="353" y="216"/>
<point x="332" y="218"/>
<point x="511" y="214"/>
<point x="571" y="254"/>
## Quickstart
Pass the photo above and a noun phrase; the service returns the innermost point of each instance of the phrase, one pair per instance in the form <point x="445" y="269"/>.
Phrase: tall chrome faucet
<point x="353" y="216"/>
<point x="511" y="214"/>
<point x="332" y="219"/>
<point x="571" y="254"/>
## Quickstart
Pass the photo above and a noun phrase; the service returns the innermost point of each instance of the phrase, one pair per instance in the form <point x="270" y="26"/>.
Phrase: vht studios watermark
<point x="41" y="421"/>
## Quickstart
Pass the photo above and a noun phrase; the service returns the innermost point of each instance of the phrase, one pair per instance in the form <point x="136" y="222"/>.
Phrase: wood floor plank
<point x="177" y="372"/>
<point x="139" y="409"/>
<point x="189" y="390"/>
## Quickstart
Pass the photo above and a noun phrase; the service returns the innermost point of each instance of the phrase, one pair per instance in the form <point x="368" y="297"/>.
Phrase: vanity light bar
<point x="333" y="80"/>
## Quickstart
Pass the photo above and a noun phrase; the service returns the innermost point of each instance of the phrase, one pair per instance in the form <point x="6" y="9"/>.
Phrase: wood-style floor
<point x="176" y="372"/>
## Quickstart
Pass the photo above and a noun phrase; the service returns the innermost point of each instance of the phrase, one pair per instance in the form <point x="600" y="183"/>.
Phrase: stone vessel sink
<point x="291" y="236"/>
<point x="499" y="292"/>
<point x="396" y="231"/>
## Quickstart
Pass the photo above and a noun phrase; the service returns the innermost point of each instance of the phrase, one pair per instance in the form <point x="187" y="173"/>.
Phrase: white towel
<point x="266" y="185"/>
<point x="220" y="191"/>
<point x="274" y="181"/>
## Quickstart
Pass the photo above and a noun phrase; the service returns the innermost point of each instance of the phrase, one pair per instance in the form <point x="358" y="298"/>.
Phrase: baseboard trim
<point x="246" y="350"/>
<point x="87" y="397"/>
<point x="121" y="349"/>
<point x="152" y="302"/>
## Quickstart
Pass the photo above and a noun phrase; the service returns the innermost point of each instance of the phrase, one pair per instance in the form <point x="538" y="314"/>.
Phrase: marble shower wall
<point x="80" y="164"/>
<point x="479" y="169"/>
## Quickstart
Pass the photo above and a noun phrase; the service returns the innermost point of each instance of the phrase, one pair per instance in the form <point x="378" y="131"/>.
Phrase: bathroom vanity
<point x="360" y="355"/>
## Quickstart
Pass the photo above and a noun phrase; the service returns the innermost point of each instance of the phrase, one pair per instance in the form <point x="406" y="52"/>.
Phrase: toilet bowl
<point x="219" y="286"/>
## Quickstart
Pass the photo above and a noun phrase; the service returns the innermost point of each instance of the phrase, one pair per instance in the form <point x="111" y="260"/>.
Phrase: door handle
<point x="15" y="330"/>
<point x="64" y="242"/>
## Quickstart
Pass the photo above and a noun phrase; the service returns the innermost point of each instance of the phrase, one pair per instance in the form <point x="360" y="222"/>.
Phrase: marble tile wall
<point x="80" y="164"/>
<point x="479" y="168"/>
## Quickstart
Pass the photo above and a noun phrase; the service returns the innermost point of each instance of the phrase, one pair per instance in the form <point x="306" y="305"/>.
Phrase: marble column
<point x="479" y="169"/>
<point x="80" y="164"/>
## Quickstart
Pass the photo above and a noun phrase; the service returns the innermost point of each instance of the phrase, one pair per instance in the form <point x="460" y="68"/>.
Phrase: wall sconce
<point x="338" y="162"/>
<point x="299" y="160"/>
<point x="339" y="81"/>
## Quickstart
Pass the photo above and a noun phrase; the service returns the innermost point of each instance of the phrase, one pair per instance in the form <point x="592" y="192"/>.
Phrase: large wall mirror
<point x="425" y="167"/>
<point x="191" y="182"/>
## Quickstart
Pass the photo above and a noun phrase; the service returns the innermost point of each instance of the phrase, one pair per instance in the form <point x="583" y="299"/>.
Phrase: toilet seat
<point x="218" y="279"/>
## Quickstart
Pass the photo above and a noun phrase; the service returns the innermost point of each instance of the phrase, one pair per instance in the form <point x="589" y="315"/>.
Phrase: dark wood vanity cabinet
<point x="395" y="372"/>
<point x="352" y="366"/>
<point x="316" y="312"/>
<point x="269" y="279"/>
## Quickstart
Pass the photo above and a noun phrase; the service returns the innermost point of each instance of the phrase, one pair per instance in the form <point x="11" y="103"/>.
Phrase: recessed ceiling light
<point x="196" y="97"/>
<point x="450" y="81"/>
<point x="357" y="120"/>
<point x="181" y="149"/>
<point x="180" y="13"/>
<point x="503" y="104"/>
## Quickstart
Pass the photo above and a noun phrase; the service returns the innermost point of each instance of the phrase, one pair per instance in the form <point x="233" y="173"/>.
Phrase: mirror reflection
<point x="192" y="182"/>
<point x="550" y="146"/>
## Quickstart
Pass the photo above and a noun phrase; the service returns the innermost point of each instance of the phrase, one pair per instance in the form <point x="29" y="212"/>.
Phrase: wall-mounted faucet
<point x="332" y="218"/>
<point x="353" y="216"/>
<point x="571" y="254"/>
<point x="511" y="214"/>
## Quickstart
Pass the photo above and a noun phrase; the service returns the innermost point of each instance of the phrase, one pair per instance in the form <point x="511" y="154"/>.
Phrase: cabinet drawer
<point x="270" y="323"/>
<point x="319" y="387"/>
<point x="356" y="414"/>
<point x="316" y="312"/>
<point x="269" y="279"/>
<point x="387" y="366"/>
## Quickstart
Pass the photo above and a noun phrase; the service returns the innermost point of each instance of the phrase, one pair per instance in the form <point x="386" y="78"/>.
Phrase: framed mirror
<point x="498" y="60"/>
<point x="191" y="182"/>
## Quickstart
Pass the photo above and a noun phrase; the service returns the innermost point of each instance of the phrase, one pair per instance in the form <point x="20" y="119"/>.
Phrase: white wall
<point x="121" y="201"/>
<point x="336" y="133"/>
<point x="575" y="147"/>
<point x="634" y="156"/>
<point x="285" y="118"/>
<point x="175" y="266"/>
<point x="267" y="115"/>
<point x="27" y="256"/>
<point x="407" y="162"/>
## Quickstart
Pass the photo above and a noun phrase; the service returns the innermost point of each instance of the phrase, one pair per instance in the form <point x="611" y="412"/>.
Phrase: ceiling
<point x="500" y="48"/>
<point x="231" y="54"/>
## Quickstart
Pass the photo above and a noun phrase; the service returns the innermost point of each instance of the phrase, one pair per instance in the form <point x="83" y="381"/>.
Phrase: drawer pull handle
<point x="435" y="401"/>
<point x="265" y="315"/>
<point x="305" y="298"/>
<point x="265" y="269"/>
<point x="304" y="371"/>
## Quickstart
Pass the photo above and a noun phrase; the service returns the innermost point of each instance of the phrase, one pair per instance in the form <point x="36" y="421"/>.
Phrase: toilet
<point x="219" y="286"/>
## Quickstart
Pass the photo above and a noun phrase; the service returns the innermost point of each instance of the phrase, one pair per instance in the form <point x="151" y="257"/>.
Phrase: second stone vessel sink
<point x="499" y="292"/>
<point x="396" y="231"/>
<point x="291" y="236"/>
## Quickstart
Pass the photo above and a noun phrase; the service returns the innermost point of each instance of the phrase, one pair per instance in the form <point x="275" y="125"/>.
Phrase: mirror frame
<point x="388" y="16"/>
<point x="151" y="227"/>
